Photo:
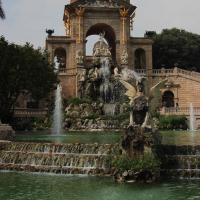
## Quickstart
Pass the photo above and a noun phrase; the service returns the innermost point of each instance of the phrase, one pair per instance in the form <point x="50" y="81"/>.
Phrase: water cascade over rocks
<point x="180" y="161"/>
<point x="58" y="158"/>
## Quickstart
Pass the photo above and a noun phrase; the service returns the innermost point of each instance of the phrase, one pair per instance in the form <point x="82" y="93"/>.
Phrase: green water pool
<point x="168" y="137"/>
<point x="71" y="137"/>
<point x="23" y="186"/>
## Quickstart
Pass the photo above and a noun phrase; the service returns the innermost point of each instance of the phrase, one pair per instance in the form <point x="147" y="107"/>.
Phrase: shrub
<point x="145" y="162"/>
<point x="120" y="117"/>
<point x="173" y="122"/>
<point x="91" y="116"/>
<point x="77" y="101"/>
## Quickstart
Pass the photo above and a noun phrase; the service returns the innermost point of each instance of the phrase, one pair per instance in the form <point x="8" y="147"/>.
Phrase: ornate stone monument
<point x="113" y="21"/>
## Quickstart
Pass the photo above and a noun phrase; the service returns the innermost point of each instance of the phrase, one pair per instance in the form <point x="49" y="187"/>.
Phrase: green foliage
<point x="91" y="116"/>
<point x="120" y="117"/>
<point x="77" y="101"/>
<point x="40" y="123"/>
<point x="175" y="46"/>
<point x="23" y="69"/>
<point x="173" y="122"/>
<point x="146" y="162"/>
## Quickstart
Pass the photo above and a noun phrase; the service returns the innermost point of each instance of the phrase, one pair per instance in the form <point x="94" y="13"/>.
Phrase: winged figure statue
<point x="143" y="100"/>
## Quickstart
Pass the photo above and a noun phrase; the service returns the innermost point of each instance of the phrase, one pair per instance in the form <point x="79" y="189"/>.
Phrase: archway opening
<point x="109" y="36"/>
<point x="140" y="59"/>
<point x="168" y="99"/>
<point x="60" y="58"/>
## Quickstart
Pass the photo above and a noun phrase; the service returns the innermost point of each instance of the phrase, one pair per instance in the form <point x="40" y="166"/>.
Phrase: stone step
<point x="55" y="169"/>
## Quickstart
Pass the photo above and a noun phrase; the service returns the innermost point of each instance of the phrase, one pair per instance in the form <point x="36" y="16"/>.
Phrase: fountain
<point x="104" y="84"/>
<point x="192" y="120"/>
<point x="106" y="87"/>
<point x="57" y="113"/>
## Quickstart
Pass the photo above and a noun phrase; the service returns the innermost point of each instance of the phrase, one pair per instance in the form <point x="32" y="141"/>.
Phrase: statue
<point x="56" y="63"/>
<point x="93" y="77"/>
<point x="101" y="48"/>
<point x="81" y="81"/>
<point x="67" y="23"/>
<point x="67" y="27"/>
<point x="107" y="52"/>
<point x="141" y="99"/>
<point x="116" y="72"/>
<point x="50" y="32"/>
<point x="79" y="58"/>
<point x="96" y="52"/>
<point x="124" y="57"/>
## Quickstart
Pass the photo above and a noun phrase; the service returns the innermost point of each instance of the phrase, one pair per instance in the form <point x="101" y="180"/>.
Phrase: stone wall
<point x="186" y="90"/>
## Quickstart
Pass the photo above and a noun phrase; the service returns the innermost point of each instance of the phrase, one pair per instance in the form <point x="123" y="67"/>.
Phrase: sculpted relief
<point x="101" y="3"/>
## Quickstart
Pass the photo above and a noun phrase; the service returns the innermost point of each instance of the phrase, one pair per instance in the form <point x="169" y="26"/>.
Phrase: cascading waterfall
<point x="180" y="161"/>
<point x="109" y="109"/>
<point x="57" y="113"/>
<point x="58" y="158"/>
<point x="106" y="88"/>
<point x="192" y="118"/>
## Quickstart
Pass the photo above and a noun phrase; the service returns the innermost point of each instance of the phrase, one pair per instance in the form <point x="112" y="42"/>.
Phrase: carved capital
<point x="80" y="11"/>
<point x="124" y="12"/>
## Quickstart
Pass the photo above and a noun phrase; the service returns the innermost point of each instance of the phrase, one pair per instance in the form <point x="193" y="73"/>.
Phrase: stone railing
<point x="24" y="112"/>
<point x="179" y="111"/>
<point x="170" y="72"/>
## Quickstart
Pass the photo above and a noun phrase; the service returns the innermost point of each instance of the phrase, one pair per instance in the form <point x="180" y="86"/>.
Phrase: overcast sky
<point x="26" y="20"/>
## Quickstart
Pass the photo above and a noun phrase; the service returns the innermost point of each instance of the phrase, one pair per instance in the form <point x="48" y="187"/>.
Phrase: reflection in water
<point x="22" y="186"/>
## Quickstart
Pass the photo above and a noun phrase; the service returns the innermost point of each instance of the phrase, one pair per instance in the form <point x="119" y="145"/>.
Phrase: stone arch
<point x="140" y="58"/>
<point x="110" y="35"/>
<point x="168" y="99"/>
<point x="60" y="53"/>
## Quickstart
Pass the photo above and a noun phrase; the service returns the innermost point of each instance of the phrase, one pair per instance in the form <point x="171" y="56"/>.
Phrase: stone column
<point x="80" y="50"/>
<point x="149" y="64"/>
<point x="124" y="16"/>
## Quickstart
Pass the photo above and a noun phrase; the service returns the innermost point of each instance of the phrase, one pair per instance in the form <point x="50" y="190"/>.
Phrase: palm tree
<point x="2" y="15"/>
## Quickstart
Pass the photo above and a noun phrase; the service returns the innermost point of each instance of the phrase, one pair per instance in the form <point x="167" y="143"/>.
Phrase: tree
<point x="23" y="69"/>
<point x="176" y="47"/>
<point x="2" y="15"/>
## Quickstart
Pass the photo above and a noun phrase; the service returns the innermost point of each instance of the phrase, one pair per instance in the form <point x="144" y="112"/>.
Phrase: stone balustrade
<point x="24" y="112"/>
<point x="171" y="72"/>
<point x="179" y="111"/>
